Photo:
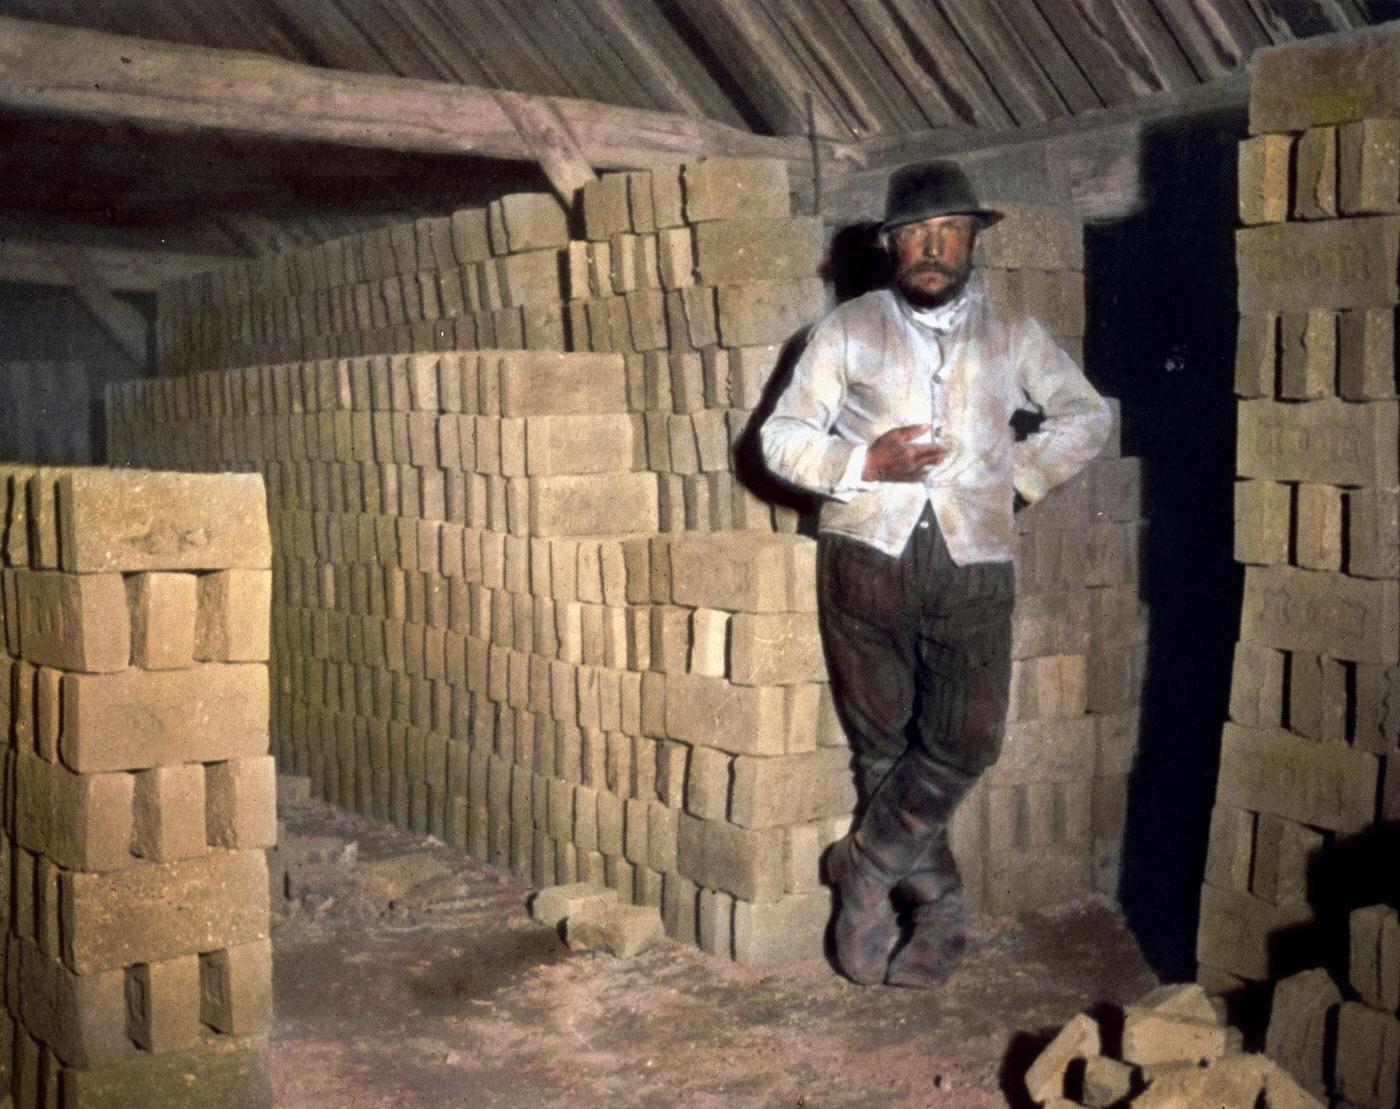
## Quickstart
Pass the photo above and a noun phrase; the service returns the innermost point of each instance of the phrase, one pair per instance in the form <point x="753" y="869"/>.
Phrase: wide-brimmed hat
<point x="930" y="189"/>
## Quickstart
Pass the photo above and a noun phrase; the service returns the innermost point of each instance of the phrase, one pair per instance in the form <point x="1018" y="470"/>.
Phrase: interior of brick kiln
<point x="458" y="525"/>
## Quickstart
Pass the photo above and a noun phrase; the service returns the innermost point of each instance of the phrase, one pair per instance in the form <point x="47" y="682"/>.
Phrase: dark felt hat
<point x="930" y="189"/>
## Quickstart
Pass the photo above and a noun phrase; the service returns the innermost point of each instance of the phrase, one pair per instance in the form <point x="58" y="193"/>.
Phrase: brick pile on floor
<point x="1169" y="1050"/>
<point x="139" y="796"/>
<point x="523" y="602"/>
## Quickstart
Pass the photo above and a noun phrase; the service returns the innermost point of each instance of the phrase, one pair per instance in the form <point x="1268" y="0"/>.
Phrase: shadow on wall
<point x="1162" y="309"/>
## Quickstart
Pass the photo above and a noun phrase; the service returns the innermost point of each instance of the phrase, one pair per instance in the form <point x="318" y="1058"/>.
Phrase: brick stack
<point x="1308" y="756"/>
<point x="47" y="407"/>
<point x="139" y="793"/>
<point x="521" y="600"/>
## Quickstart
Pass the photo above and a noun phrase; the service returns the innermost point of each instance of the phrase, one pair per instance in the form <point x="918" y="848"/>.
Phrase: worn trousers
<point x="919" y="652"/>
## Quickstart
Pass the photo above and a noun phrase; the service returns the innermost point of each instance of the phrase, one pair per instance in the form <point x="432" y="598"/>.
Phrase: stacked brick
<point x="521" y="600"/>
<point x="1341" y="1039"/>
<point x="139" y="792"/>
<point x="47" y="407"/>
<point x="1308" y="758"/>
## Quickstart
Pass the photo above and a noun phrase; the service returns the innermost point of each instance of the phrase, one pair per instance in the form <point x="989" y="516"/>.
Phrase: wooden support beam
<point x="1092" y="161"/>
<point x="78" y="72"/>
<point x="553" y="144"/>
<point x="36" y="262"/>
<point x="122" y="322"/>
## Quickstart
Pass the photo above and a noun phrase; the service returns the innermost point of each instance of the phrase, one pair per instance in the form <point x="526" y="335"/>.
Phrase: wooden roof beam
<point x="32" y="261"/>
<point x="78" y="72"/>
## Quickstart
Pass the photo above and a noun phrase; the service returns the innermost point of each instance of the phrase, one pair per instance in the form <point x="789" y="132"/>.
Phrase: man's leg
<point x="871" y="655"/>
<point x="965" y="678"/>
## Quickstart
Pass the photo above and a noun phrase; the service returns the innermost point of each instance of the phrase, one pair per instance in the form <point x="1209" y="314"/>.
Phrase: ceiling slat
<point x="1114" y="82"/>
<point x="1054" y="56"/>
<point x="1029" y="95"/>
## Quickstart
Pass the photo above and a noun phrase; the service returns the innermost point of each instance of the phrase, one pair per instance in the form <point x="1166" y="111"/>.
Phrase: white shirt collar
<point x="946" y="317"/>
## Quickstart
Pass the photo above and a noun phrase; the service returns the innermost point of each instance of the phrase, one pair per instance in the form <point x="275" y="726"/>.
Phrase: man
<point x="899" y="414"/>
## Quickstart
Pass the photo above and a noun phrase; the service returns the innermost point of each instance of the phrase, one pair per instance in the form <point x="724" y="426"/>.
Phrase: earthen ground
<point x="448" y="994"/>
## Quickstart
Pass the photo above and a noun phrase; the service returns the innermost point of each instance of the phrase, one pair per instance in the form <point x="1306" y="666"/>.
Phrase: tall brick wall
<point x="1308" y="763"/>
<point x="520" y="599"/>
<point x="139" y="792"/>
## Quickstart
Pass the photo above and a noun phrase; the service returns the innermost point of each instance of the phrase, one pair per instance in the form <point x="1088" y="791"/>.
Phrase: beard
<point x="921" y="298"/>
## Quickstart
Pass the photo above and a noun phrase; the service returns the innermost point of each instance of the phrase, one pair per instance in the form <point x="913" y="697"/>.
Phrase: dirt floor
<point x="407" y="974"/>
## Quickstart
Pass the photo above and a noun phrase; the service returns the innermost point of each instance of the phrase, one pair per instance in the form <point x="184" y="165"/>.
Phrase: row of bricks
<point x="89" y="521"/>
<point x="1273" y="858"/>
<point x="111" y="1017"/>
<point x="1316" y="696"/>
<point x="643" y="201"/>
<point x="1298" y="268"/>
<point x="1318" y="527"/>
<point x="667" y="638"/>
<point x="1041" y="690"/>
<point x="1322" y="613"/>
<point x="107" y="821"/>
<point x="227" y="1071"/>
<point x="157" y="621"/>
<point x="118" y="918"/>
<point x="1320" y="353"/>
<point x="137" y="719"/>
<point x="649" y="766"/>
<point x="1323" y="173"/>
<point x="1329" y="441"/>
<point x="366" y="564"/>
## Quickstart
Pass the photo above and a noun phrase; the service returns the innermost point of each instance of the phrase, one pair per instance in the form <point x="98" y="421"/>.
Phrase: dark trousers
<point x="919" y="651"/>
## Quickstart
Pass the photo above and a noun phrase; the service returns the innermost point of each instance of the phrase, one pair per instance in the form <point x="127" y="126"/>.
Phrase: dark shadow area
<point x="1020" y="1056"/>
<point x="1162" y="312"/>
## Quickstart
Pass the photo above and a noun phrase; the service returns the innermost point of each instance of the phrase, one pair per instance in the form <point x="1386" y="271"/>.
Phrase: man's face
<point x="933" y="258"/>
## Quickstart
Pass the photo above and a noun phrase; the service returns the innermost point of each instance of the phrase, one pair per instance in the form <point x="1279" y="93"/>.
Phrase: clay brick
<point x="544" y="383"/>
<point x="1318" y="545"/>
<point x="1318" y="698"/>
<point x="169" y="813"/>
<point x="1273" y="771"/>
<point x="782" y="932"/>
<point x="730" y="251"/>
<point x="709" y="638"/>
<point x="735" y="188"/>
<point x="1256" y="356"/>
<point x="1078" y="1039"/>
<point x="593" y="504"/>
<point x="132" y="520"/>
<point x="1045" y="751"/>
<point x="533" y="278"/>
<point x="1373" y="533"/>
<point x="759" y="312"/>
<point x="137" y="718"/>
<point x="1374" y="963"/>
<point x="794" y="789"/>
<point x="230" y="1075"/>
<point x="747" y="863"/>
<point x="1230" y="856"/>
<point x="1333" y="80"/>
<point x="81" y="1017"/>
<point x="235" y="988"/>
<point x="708" y="776"/>
<point x="1038" y="878"/>
<point x="1368" y="1055"/>
<point x="527" y="221"/>
<point x="1257" y="686"/>
<point x="1369" y="160"/>
<point x="1366" y="354"/>
<point x="1298" y="267"/>
<point x="163" y="1004"/>
<point x="241" y="803"/>
<point x="1307" y="355"/>
<point x="1320" y="613"/>
<point x="1298" y="1027"/>
<point x="1263" y="518"/>
<point x="776" y="648"/>
<point x="744" y="573"/>
<point x="234" y="621"/>
<point x="1032" y="236"/>
<point x="73" y="622"/>
<point x="163" y="611"/>
<point x="743" y="720"/>
<point x="1315" y="195"/>
<point x="1264" y="165"/>
<point x="621" y="930"/>
<point x="1051" y="624"/>
<point x="676" y="257"/>
<point x="587" y="444"/>
<point x="605" y="206"/>
<point x="1153" y="1038"/>
<point x="81" y="821"/>
<point x="1285" y="857"/>
<point x="1237" y="931"/>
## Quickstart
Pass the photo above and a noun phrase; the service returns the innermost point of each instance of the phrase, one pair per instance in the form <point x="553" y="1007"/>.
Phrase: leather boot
<point x="866" y="927"/>
<point x="939" y="917"/>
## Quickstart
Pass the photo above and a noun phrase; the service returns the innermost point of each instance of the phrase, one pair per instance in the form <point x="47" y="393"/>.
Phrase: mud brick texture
<point x="1307" y="768"/>
<point x="140" y="796"/>
<point x="525" y="600"/>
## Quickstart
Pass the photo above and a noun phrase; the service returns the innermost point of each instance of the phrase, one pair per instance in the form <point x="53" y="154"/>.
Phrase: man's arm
<point x="1077" y="420"/>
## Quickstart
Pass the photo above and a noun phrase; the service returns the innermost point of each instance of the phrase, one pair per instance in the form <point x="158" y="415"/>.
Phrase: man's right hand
<point x="894" y="457"/>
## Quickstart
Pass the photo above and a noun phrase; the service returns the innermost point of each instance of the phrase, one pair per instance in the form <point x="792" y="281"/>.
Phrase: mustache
<point x="928" y="266"/>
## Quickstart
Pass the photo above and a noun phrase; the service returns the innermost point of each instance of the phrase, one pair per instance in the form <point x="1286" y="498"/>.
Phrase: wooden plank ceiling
<point x="873" y="69"/>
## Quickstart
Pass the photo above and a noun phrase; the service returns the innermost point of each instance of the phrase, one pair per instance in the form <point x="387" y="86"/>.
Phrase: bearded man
<point x="899" y="415"/>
